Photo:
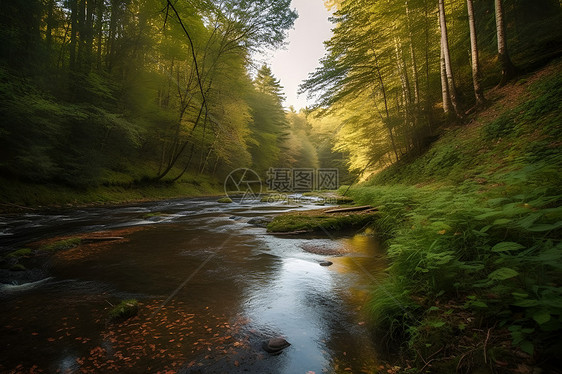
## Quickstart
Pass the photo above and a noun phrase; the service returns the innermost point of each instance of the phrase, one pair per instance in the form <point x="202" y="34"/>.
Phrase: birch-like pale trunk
<point x="508" y="69"/>
<point x="447" y="58"/>
<point x="413" y="57"/>
<point x="478" y="93"/>
<point x="444" y="88"/>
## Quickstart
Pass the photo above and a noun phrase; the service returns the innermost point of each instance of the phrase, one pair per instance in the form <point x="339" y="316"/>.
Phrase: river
<point x="211" y="287"/>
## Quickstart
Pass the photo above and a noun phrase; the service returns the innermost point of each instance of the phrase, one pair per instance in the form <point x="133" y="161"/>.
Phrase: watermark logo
<point x="302" y="180"/>
<point x="244" y="184"/>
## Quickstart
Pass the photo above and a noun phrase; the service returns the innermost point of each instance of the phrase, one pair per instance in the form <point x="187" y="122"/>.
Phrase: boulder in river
<point x="260" y="221"/>
<point x="275" y="345"/>
<point x="326" y="263"/>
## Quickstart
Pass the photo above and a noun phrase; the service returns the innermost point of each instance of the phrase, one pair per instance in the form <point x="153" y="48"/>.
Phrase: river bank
<point x="17" y="196"/>
<point x="472" y="230"/>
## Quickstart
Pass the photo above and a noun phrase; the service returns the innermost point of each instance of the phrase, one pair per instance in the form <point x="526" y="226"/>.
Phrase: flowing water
<point x="211" y="288"/>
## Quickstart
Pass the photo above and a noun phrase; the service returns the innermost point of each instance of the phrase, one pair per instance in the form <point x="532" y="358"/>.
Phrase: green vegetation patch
<point x="18" y="267"/>
<point x="61" y="245"/>
<point x="23" y="252"/>
<point x="472" y="230"/>
<point x="154" y="214"/>
<point x="225" y="200"/>
<point x="124" y="310"/>
<point x="312" y="223"/>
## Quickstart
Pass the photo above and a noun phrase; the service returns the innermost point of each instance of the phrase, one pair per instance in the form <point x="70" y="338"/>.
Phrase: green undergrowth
<point x="23" y="252"/>
<point x="224" y="200"/>
<point x="16" y="195"/>
<point x="318" y="223"/>
<point x="473" y="230"/>
<point x="61" y="245"/>
<point x="124" y="310"/>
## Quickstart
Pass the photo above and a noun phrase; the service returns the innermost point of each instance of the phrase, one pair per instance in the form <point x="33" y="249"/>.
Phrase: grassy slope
<point x="473" y="231"/>
<point x="19" y="196"/>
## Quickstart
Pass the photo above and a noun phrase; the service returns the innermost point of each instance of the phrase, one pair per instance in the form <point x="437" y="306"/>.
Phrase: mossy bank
<point x="26" y="196"/>
<point x="473" y="230"/>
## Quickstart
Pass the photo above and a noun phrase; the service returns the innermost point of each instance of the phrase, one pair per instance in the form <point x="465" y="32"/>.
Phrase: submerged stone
<point x="275" y="345"/>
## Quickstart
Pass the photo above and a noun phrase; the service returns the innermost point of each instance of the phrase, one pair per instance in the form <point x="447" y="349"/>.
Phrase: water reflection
<point x="270" y="283"/>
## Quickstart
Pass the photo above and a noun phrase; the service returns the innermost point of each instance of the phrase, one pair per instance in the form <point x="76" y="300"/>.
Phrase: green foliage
<point x="118" y="94"/>
<point x="61" y="245"/>
<point x="476" y="223"/>
<point x="543" y="104"/>
<point x="318" y="223"/>
<point x="124" y="310"/>
<point x="18" y="267"/>
<point x="23" y="252"/>
<point x="381" y="73"/>
<point x="225" y="200"/>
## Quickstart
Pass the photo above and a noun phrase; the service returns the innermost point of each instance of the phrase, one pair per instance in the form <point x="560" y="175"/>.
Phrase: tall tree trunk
<point x="89" y="32"/>
<point x="403" y="71"/>
<point x="383" y="89"/>
<point x="112" y="33"/>
<point x="478" y="93"/>
<point x="415" y="78"/>
<point x="99" y="31"/>
<point x="413" y="57"/>
<point x="73" y="30"/>
<point x="50" y="21"/>
<point x="81" y="33"/>
<point x="508" y="69"/>
<point x="428" y="101"/>
<point x="447" y="59"/>
<point x="444" y="85"/>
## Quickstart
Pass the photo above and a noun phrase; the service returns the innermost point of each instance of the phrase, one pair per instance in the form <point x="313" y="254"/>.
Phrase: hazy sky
<point x="305" y="47"/>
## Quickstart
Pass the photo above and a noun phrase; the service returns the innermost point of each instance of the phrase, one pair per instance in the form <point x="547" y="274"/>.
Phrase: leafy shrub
<point x="124" y="310"/>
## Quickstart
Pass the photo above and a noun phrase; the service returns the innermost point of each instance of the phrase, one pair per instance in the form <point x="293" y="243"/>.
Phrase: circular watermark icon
<point x="244" y="184"/>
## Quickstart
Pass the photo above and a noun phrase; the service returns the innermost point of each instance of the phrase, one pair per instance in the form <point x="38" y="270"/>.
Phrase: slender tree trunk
<point x="478" y="93"/>
<point x="60" y="62"/>
<point x="112" y="33"/>
<point x="447" y="59"/>
<point x="428" y="101"/>
<point x="444" y="85"/>
<point x="383" y="89"/>
<point x="207" y="157"/>
<point x="81" y="33"/>
<point x="99" y="31"/>
<point x="73" y="29"/>
<point x="48" y="32"/>
<point x="415" y="78"/>
<point x="413" y="57"/>
<point x="89" y="31"/>
<point x="508" y="69"/>
<point x="403" y="71"/>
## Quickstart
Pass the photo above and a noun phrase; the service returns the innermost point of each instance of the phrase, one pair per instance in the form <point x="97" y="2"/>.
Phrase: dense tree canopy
<point x="117" y="91"/>
<point x="395" y="71"/>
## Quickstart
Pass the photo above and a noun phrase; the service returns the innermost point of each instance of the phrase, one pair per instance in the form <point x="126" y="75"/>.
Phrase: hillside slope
<point x="473" y="230"/>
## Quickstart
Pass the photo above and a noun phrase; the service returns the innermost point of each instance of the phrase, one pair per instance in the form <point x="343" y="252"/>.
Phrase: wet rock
<point x="260" y="221"/>
<point x="325" y="248"/>
<point x="326" y="263"/>
<point x="275" y="345"/>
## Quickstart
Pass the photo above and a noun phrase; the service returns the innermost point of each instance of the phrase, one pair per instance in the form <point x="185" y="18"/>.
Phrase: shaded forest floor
<point x="18" y="196"/>
<point x="473" y="228"/>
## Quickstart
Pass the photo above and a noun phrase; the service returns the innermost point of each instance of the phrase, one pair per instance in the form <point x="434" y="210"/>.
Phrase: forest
<point x="144" y="92"/>
<point x="445" y="115"/>
<point x="395" y="73"/>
